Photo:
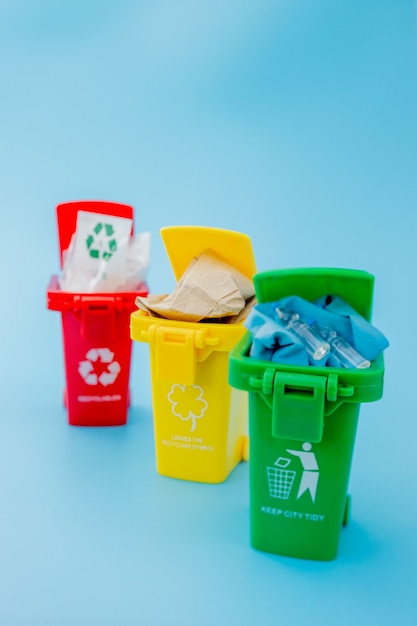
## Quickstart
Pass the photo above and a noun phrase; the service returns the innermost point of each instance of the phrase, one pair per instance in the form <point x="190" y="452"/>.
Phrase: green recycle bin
<point x="302" y="425"/>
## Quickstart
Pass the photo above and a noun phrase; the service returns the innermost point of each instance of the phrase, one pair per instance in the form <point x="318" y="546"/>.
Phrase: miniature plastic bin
<point x="302" y="425"/>
<point x="200" y="422"/>
<point x="95" y="329"/>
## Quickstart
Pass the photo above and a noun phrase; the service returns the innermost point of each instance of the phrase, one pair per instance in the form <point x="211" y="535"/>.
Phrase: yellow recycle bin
<point x="200" y="421"/>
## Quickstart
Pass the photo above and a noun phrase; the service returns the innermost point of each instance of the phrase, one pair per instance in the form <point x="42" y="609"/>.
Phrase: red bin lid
<point x="67" y="217"/>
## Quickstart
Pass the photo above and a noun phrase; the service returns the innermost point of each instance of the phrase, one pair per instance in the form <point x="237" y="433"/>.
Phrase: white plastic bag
<point x="102" y="256"/>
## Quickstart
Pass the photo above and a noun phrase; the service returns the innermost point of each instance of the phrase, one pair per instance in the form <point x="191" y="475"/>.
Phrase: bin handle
<point x="333" y="389"/>
<point x="257" y="382"/>
<point x="345" y="391"/>
<point x="201" y="340"/>
<point x="107" y="303"/>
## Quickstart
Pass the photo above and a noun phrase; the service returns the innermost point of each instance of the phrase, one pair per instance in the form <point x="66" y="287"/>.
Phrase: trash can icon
<point x="280" y="480"/>
<point x="200" y="421"/>
<point x="308" y="416"/>
<point x="95" y="330"/>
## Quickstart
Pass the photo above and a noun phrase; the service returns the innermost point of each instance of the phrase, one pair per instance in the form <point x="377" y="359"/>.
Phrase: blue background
<point x="292" y="121"/>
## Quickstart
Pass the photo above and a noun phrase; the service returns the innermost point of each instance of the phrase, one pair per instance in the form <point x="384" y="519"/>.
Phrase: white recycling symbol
<point x="103" y="355"/>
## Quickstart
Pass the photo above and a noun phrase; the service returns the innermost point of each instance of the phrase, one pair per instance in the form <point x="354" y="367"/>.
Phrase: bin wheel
<point x="348" y="506"/>
<point x="245" y="449"/>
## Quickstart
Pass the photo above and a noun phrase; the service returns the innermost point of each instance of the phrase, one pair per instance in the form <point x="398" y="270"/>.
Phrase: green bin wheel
<point x="348" y="506"/>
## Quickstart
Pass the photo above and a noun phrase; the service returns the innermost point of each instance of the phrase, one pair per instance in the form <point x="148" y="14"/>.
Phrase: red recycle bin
<point x="96" y="337"/>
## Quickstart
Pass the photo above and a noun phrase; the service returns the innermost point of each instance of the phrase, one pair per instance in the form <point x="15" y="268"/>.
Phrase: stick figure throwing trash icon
<point x="310" y="475"/>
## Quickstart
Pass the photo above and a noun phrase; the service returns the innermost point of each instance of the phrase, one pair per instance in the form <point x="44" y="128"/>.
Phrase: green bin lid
<point x="354" y="286"/>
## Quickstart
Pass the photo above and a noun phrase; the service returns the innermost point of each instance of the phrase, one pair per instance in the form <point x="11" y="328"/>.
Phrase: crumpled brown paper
<point x="209" y="289"/>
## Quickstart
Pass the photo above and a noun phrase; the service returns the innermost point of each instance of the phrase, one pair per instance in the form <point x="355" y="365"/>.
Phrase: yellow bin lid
<point x="183" y="243"/>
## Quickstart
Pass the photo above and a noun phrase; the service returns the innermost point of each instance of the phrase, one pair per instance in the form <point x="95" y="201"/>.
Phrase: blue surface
<point x="292" y="121"/>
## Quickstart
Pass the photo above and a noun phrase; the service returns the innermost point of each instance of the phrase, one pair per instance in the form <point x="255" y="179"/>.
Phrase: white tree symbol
<point x="188" y="403"/>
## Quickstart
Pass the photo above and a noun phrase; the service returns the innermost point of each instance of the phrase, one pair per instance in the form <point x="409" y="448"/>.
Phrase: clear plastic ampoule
<point x="316" y="345"/>
<point x="343" y="350"/>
